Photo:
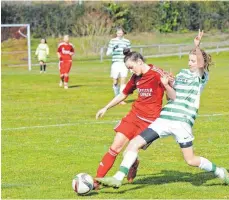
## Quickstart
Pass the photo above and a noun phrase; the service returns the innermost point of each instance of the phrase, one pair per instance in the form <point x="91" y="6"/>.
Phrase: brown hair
<point x="133" y="55"/>
<point x="207" y="58"/>
<point x="121" y="28"/>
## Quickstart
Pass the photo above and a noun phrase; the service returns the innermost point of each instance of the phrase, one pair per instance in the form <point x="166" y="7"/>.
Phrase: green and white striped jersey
<point x="115" y="48"/>
<point x="188" y="87"/>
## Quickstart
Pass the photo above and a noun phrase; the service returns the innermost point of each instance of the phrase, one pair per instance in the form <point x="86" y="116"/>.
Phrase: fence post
<point x="159" y="48"/>
<point x="180" y="51"/>
<point x="217" y="49"/>
<point x="141" y="50"/>
<point x="101" y="54"/>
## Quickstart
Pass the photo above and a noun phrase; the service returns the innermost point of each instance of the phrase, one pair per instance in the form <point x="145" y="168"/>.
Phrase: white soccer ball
<point x="82" y="183"/>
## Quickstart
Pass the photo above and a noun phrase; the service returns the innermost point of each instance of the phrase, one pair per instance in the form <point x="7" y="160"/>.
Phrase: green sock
<point x="213" y="167"/>
<point x="124" y="170"/>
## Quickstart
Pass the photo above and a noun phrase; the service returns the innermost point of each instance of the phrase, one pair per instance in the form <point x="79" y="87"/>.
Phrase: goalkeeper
<point x="42" y="52"/>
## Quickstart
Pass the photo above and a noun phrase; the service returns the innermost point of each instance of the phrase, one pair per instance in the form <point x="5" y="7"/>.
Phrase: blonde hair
<point x="207" y="58"/>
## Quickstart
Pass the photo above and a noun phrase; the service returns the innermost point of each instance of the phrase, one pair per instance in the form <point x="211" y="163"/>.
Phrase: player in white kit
<point x="119" y="71"/>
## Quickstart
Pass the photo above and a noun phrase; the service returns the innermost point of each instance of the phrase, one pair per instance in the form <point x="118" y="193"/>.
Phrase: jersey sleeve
<point x="47" y="49"/>
<point x="59" y="49"/>
<point x="158" y="74"/>
<point x="37" y="50"/>
<point x="110" y="48"/>
<point x="204" y="81"/>
<point x="72" y="48"/>
<point x="130" y="86"/>
<point x="129" y="45"/>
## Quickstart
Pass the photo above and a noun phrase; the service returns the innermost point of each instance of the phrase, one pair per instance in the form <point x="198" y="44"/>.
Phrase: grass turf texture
<point x="40" y="162"/>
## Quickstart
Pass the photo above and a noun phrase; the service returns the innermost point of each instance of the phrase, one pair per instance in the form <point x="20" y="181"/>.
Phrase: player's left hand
<point x="165" y="79"/>
<point x="198" y="38"/>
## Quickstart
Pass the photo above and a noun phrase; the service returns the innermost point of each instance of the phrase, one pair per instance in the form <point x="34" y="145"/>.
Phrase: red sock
<point x="106" y="163"/>
<point x="66" y="78"/>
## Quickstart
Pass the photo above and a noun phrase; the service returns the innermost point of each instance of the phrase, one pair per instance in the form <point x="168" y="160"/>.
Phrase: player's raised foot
<point x="226" y="176"/>
<point x="109" y="181"/>
<point x="61" y="84"/>
<point x="133" y="171"/>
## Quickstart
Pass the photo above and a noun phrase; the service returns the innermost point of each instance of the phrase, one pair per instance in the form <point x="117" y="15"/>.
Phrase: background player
<point x="119" y="71"/>
<point x="147" y="107"/>
<point x="176" y="118"/>
<point x="65" y="52"/>
<point x="42" y="52"/>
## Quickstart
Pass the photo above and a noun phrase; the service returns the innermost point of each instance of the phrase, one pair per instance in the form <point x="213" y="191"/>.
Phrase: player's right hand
<point x="100" y="113"/>
<point x="197" y="39"/>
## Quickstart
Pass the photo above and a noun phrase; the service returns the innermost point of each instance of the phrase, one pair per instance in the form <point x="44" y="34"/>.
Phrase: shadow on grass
<point x="169" y="176"/>
<point x="75" y="86"/>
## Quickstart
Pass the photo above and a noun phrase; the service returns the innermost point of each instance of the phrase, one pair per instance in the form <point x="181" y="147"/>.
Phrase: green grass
<point x="40" y="161"/>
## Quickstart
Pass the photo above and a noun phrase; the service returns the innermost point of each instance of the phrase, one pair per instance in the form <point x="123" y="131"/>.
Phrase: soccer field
<point x="50" y="134"/>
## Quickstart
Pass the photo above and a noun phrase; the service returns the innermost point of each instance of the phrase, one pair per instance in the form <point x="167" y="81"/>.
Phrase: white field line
<point x="93" y="122"/>
<point x="59" y="125"/>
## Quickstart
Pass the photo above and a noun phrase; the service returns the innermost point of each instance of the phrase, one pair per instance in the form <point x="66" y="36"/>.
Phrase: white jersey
<point x="188" y="87"/>
<point x="116" y="47"/>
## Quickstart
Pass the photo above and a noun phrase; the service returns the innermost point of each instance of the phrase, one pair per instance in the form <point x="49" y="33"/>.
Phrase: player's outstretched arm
<point x="119" y="98"/>
<point x="199" y="55"/>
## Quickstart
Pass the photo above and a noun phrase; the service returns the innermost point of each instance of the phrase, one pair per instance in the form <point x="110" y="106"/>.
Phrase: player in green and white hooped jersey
<point x="42" y="52"/>
<point x="119" y="71"/>
<point x="176" y="118"/>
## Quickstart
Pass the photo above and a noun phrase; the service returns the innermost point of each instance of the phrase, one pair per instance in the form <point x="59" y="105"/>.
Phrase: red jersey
<point x="150" y="93"/>
<point x="64" y="49"/>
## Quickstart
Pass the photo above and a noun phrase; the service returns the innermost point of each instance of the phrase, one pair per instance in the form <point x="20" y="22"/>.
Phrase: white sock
<point x="119" y="175"/>
<point x="116" y="90"/>
<point x="219" y="172"/>
<point x="206" y="165"/>
<point x="128" y="161"/>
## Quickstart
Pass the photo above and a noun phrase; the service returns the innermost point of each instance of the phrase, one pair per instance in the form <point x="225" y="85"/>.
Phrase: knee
<point x="117" y="147"/>
<point x="66" y="75"/>
<point x="134" y="145"/>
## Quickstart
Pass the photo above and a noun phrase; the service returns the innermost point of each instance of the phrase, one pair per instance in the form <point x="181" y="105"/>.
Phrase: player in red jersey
<point x="65" y="52"/>
<point x="147" y="80"/>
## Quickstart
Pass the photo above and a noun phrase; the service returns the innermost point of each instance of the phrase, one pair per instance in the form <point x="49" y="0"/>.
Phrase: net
<point x="15" y="42"/>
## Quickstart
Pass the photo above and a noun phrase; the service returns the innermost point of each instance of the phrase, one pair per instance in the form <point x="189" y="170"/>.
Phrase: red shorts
<point x="131" y="125"/>
<point x="65" y="66"/>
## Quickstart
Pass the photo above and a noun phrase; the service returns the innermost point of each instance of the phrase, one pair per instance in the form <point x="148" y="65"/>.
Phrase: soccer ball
<point x="82" y="183"/>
